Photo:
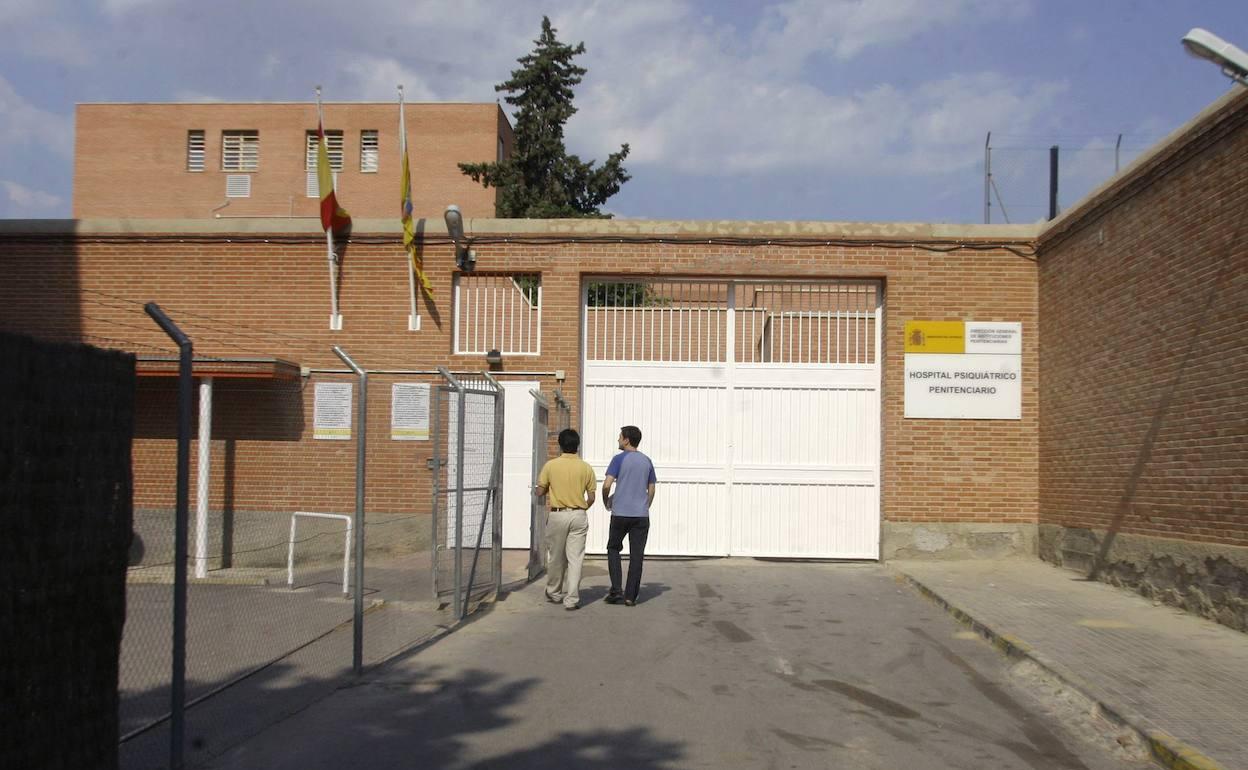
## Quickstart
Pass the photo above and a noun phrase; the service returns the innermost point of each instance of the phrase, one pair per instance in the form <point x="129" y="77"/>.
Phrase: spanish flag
<point x="333" y="216"/>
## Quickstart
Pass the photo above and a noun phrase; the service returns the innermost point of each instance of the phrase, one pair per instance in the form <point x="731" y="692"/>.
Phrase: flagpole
<point x="413" y="320"/>
<point x="335" y="320"/>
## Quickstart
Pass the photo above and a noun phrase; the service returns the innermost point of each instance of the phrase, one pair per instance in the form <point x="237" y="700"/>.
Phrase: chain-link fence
<point x="306" y="545"/>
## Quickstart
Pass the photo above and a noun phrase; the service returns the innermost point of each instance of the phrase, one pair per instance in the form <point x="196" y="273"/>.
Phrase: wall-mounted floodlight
<point x="1203" y="44"/>
<point x="465" y="258"/>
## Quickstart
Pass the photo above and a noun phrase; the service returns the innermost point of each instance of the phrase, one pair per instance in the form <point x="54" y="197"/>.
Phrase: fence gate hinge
<point x="433" y="463"/>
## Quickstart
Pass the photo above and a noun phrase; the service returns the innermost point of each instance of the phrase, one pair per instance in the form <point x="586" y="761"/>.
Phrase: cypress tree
<point x="541" y="180"/>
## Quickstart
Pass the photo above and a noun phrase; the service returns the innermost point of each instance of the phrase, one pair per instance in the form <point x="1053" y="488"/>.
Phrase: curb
<point x="1166" y="750"/>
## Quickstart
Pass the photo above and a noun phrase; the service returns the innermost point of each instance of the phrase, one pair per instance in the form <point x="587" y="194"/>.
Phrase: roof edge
<point x="530" y="227"/>
<point x="1173" y="144"/>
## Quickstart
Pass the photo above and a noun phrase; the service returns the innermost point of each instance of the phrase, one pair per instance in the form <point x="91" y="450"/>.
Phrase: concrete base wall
<point x="915" y="540"/>
<point x="1207" y="579"/>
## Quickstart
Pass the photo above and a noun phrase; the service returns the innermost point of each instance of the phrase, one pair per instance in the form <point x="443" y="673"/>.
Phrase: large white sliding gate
<point x="758" y="402"/>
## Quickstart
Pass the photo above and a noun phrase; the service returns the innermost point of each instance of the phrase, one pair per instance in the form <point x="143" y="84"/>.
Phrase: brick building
<point x="223" y="160"/>
<point x="782" y="349"/>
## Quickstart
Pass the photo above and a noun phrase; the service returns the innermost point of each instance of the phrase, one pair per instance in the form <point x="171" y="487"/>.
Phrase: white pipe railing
<point x="346" y="548"/>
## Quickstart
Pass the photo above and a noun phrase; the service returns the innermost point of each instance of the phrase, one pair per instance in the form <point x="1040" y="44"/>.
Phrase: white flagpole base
<point x="335" y="322"/>
<point x="413" y="323"/>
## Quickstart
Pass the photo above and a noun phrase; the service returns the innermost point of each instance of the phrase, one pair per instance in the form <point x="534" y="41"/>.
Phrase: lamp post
<point x="1203" y="44"/>
<point x="465" y="258"/>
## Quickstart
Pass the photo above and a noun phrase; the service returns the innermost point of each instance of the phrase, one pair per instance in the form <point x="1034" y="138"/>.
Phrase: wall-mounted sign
<point x="331" y="411"/>
<point x="979" y="379"/>
<point x="409" y="411"/>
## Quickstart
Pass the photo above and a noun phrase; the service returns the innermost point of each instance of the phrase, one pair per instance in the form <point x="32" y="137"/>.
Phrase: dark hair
<point x="632" y="433"/>
<point x="569" y="440"/>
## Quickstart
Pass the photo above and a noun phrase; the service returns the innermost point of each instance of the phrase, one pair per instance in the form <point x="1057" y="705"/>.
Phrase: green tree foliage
<point x="541" y="180"/>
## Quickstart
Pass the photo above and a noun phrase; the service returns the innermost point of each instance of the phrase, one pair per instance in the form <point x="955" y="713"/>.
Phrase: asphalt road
<point x="724" y="663"/>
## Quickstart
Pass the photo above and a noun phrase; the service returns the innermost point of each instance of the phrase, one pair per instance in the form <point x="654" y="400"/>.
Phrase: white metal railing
<point x="669" y="321"/>
<point x="690" y="321"/>
<point x="346" y="548"/>
<point x="498" y="312"/>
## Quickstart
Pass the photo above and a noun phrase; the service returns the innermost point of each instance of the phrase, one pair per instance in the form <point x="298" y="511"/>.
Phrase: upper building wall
<point x="130" y="160"/>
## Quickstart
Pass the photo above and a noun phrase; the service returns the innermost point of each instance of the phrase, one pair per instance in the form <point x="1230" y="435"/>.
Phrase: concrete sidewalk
<point x="1179" y="681"/>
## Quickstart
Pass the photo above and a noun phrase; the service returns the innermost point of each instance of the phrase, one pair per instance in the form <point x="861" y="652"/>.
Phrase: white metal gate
<point x="758" y="402"/>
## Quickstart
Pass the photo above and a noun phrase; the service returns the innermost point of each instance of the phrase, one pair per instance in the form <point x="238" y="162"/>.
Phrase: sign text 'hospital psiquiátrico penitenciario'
<point x="963" y="370"/>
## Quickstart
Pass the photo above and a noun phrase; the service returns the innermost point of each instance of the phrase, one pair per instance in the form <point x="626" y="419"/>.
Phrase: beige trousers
<point x="565" y="548"/>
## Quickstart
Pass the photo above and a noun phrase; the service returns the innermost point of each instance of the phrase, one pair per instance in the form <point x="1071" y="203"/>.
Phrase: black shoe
<point x="613" y="598"/>
<point x="630" y="602"/>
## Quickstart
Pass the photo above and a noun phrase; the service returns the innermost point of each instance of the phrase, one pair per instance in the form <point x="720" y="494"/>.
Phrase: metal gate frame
<point x="680" y="314"/>
<point x="538" y="506"/>
<point x="464" y="589"/>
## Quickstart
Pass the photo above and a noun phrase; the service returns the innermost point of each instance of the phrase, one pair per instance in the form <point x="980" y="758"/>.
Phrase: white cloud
<point x="694" y="103"/>
<point x="794" y="30"/>
<point x="13" y="10"/>
<point x="26" y="200"/>
<point x="197" y="96"/>
<point x="120" y="7"/>
<point x="375" y="79"/>
<point x="22" y="124"/>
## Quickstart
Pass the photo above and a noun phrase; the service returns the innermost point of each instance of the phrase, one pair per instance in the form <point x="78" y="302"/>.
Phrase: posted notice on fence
<point x="409" y="411"/>
<point x="331" y="414"/>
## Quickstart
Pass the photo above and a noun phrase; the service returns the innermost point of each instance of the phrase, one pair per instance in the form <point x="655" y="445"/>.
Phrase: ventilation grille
<point x="238" y="186"/>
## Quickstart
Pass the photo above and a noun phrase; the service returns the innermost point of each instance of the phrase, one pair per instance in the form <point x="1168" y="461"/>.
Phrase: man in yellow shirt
<point x="570" y="482"/>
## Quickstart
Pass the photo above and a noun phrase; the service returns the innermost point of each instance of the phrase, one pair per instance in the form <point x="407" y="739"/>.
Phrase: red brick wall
<point x="1144" y="300"/>
<point x="130" y="159"/>
<point x="272" y="299"/>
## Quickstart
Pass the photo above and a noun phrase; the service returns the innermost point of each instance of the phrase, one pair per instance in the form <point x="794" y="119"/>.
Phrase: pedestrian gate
<point x="467" y="428"/>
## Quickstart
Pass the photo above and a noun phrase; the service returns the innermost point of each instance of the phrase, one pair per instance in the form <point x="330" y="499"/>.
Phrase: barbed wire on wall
<point x="1017" y="171"/>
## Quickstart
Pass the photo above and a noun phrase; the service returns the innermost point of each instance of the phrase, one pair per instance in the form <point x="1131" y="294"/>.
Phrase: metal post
<point x="988" y="179"/>
<point x="1053" y="182"/>
<point x="496" y="482"/>
<point x="461" y="416"/>
<point x="177" y="690"/>
<point x="202" y="477"/>
<point x="436" y="463"/>
<point x="361" y="446"/>
<point x="1117" y="149"/>
<point x="536" y="522"/>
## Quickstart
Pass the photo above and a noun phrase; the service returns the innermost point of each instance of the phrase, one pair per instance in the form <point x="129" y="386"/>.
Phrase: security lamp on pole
<point x="1203" y="44"/>
<point x="465" y="258"/>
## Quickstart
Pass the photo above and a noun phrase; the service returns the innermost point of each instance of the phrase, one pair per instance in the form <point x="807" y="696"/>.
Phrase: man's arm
<point x="649" y="494"/>
<point x="607" y="482"/>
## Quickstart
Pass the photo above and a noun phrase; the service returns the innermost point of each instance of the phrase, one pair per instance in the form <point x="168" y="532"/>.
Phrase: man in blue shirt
<point x="632" y="474"/>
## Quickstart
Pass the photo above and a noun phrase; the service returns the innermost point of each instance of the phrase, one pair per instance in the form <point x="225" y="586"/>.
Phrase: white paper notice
<point x="332" y="411"/>
<point x="409" y="412"/>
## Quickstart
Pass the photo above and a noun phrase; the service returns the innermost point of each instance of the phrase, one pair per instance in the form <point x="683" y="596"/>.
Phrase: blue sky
<point x="838" y="110"/>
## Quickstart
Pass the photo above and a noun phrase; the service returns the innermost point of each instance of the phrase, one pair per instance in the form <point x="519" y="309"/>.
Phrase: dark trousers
<point x="638" y="530"/>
